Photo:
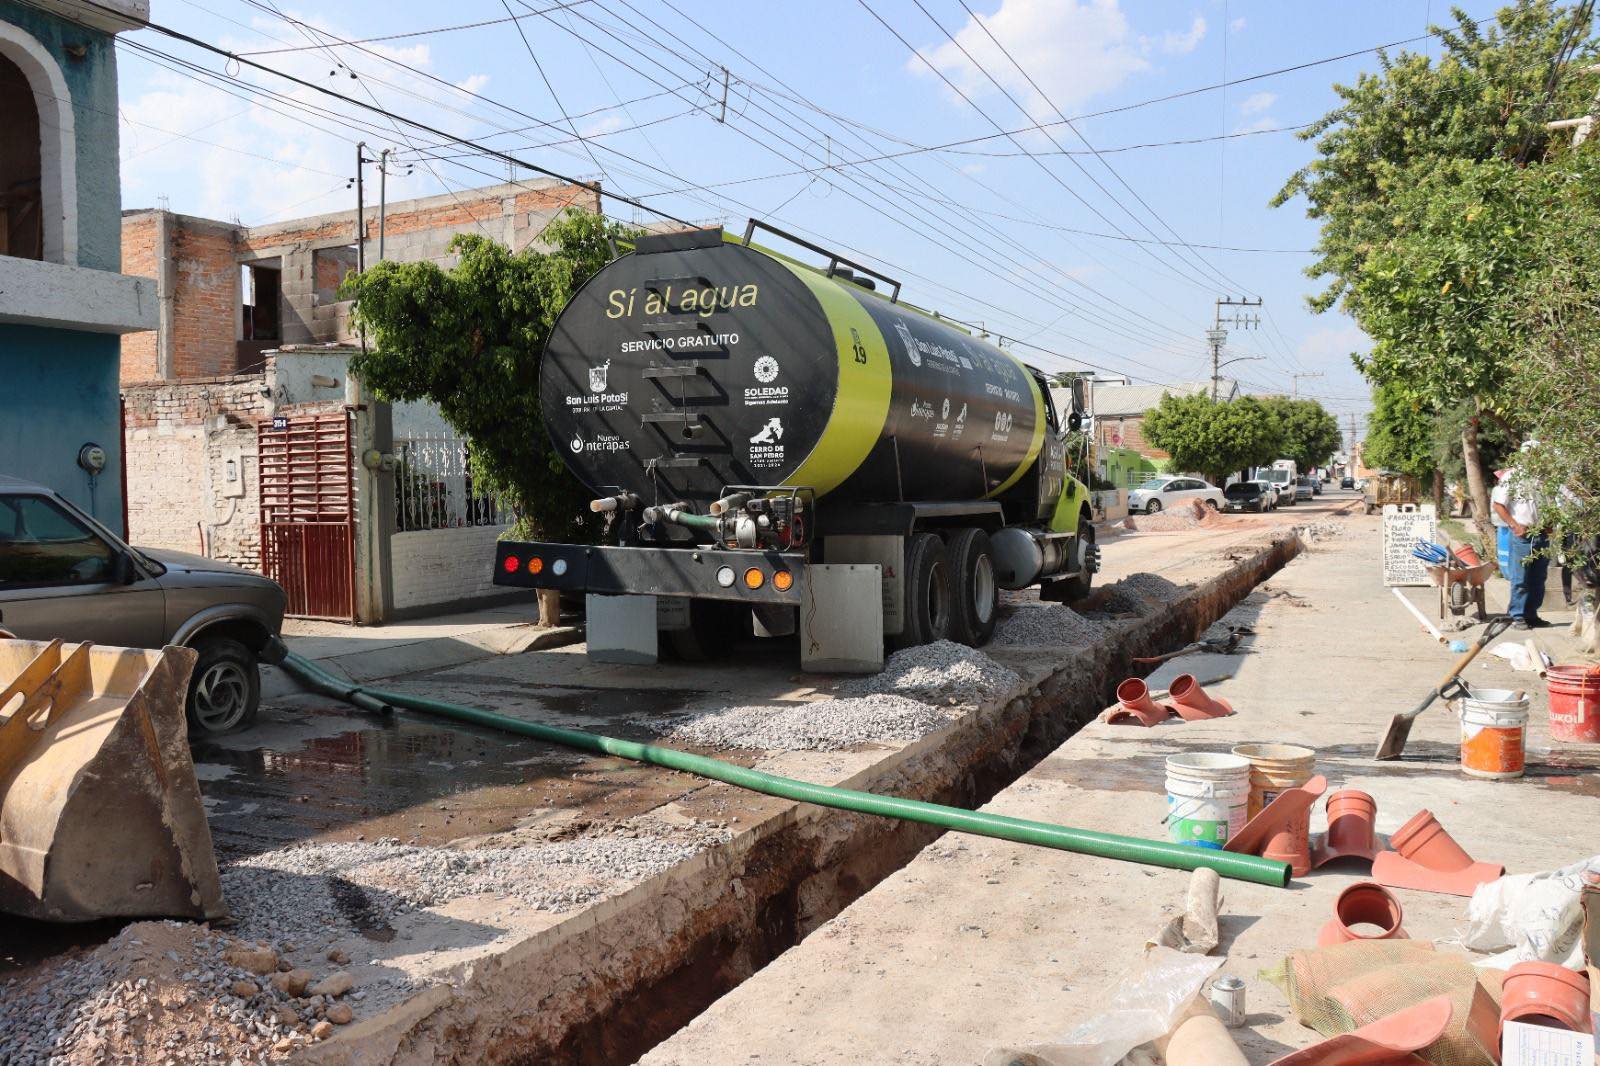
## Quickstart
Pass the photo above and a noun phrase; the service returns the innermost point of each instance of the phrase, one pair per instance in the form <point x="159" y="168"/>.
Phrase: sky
<point x="1092" y="243"/>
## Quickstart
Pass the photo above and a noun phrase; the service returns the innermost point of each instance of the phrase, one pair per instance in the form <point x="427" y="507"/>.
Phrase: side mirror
<point x="123" y="571"/>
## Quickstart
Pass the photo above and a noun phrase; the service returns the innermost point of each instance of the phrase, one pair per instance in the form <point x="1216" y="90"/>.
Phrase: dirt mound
<point x="1180" y="516"/>
<point x="163" y="992"/>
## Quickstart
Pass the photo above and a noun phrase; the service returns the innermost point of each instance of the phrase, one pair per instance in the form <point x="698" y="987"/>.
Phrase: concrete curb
<point x="435" y="653"/>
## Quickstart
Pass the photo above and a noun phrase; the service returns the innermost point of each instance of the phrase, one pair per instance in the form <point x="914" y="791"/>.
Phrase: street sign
<point x="280" y="422"/>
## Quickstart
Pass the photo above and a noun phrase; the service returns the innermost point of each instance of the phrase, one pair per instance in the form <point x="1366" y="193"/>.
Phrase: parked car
<point x="64" y="575"/>
<point x="1347" y="482"/>
<point x="1256" y="496"/>
<point x="1302" y="488"/>
<point x="1160" y="493"/>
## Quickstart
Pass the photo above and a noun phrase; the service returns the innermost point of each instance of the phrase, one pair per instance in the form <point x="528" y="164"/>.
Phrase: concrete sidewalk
<point x="979" y="944"/>
<point x="368" y="653"/>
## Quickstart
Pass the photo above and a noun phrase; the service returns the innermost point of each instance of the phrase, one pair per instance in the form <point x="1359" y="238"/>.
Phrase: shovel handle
<point x="1497" y="625"/>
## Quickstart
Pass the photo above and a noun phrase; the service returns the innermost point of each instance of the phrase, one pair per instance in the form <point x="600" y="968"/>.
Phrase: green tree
<point x="1423" y="228"/>
<point x="469" y="339"/>
<point x="1400" y="434"/>
<point x="1214" y="438"/>
<point x="1310" y="434"/>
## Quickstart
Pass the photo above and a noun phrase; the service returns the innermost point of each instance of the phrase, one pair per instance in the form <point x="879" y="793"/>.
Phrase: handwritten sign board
<point x="1403" y="526"/>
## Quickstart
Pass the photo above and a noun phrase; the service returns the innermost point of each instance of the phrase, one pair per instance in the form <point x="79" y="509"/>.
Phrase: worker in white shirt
<point x="1528" y="561"/>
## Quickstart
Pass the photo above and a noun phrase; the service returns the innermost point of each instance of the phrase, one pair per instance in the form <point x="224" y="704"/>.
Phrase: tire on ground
<point x="926" y="592"/>
<point x="225" y="688"/>
<point x="1076" y="588"/>
<point x="975" y="595"/>
<point x="1153" y="507"/>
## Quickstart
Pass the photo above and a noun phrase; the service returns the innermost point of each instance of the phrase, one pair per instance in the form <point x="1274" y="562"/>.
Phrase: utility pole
<point x="361" y="213"/>
<point x="723" y="117"/>
<point x="383" y="196"/>
<point x="1216" y="336"/>
<point x="1297" y="377"/>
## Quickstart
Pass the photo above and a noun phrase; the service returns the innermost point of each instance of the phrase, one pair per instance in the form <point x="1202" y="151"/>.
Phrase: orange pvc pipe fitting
<point x="1351" y="831"/>
<point x="1388" y="1040"/>
<point x="1282" y="830"/>
<point x="1545" y="993"/>
<point x="1424" y="841"/>
<point x="1363" y="903"/>
<point x="1133" y="701"/>
<point x="1193" y="704"/>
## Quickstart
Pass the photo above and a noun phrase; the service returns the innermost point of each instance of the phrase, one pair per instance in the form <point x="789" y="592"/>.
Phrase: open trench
<point x="614" y="981"/>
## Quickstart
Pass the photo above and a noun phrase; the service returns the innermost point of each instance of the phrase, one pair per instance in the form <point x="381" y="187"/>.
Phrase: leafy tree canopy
<point x="1400" y="434"/>
<point x="1310" y="434"/>
<point x="469" y="339"/>
<point x="1215" y="438"/>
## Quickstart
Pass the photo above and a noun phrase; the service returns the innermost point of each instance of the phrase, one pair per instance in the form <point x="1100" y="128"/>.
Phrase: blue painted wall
<point x="59" y="391"/>
<point x="92" y="82"/>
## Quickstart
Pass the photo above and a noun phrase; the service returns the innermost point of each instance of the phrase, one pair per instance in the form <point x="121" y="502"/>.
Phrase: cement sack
<point x="1530" y="917"/>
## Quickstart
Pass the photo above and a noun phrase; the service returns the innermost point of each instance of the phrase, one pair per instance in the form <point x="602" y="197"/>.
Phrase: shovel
<point x="1394" y="741"/>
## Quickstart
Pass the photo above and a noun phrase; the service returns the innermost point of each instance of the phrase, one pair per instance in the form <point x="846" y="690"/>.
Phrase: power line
<point x="419" y="33"/>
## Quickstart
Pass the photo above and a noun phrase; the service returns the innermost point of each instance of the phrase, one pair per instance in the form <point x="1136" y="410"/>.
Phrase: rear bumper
<point x="611" y="571"/>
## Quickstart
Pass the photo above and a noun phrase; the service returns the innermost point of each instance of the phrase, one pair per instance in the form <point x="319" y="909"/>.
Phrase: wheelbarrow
<point x="1460" y="586"/>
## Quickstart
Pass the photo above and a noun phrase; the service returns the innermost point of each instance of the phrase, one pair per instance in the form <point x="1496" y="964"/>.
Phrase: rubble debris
<point x="166" y="992"/>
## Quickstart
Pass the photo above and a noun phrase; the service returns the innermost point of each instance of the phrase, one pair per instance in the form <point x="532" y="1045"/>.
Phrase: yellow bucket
<point x="1273" y="768"/>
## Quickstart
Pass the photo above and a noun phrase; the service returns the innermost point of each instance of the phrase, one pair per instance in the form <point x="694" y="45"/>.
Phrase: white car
<point x="1159" y="493"/>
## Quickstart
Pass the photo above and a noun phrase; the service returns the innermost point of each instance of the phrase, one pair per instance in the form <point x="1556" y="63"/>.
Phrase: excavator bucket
<point x="100" y="812"/>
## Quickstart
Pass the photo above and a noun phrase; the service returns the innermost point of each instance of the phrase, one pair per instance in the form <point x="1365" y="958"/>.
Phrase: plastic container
<point x="1273" y="768"/>
<point x="1208" y="797"/>
<point x="1574" y="703"/>
<point x="1494" y="728"/>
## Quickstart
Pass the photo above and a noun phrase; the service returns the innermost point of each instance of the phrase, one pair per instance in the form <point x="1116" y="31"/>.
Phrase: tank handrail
<point x="835" y="260"/>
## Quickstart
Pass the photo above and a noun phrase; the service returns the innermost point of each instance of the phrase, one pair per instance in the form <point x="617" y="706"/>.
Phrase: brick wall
<point x="139" y="259"/>
<point x="205" y="308"/>
<point x="183" y="441"/>
<point x="1130" y="430"/>
<point x="442" y="566"/>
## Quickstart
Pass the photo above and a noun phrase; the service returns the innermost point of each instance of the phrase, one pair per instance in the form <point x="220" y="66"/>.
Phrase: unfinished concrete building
<point x="228" y="292"/>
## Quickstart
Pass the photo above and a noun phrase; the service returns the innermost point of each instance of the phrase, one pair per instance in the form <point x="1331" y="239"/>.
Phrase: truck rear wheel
<point x="927" y="593"/>
<point x="975" y="603"/>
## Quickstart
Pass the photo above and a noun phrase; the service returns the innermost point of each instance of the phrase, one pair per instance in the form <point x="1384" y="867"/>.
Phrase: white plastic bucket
<point x="1208" y="798"/>
<point x="1494" y="730"/>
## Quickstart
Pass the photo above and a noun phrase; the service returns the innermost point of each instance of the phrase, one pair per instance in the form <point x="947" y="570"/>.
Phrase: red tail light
<point x="511" y="564"/>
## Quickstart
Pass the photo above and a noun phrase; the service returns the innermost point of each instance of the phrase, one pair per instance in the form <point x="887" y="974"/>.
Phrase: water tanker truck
<point x="792" y="448"/>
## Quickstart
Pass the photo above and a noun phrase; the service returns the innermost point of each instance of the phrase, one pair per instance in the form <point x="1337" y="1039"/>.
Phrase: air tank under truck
<point x="774" y="440"/>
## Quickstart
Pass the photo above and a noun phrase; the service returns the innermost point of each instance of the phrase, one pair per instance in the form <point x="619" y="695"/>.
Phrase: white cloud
<point x="1074" y="49"/>
<point x="602" y="125"/>
<point x="1183" y="43"/>
<point x="473" y="83"/>
<point x="1265" y="122"/>
<point x="267" y="159"/>
<point x="1237" y="25"/>
<point x="1257" y="102"/>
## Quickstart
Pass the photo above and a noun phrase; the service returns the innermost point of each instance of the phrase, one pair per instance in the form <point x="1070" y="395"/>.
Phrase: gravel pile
<point x="316" y="893"/>
<point x="824" y="725"/>
<point x="1046" y="626"/>
<point x="168" y="992"/>
<point x="943" y="673"/>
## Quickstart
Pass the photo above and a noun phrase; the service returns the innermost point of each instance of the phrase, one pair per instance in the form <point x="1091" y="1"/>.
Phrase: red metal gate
<point x="308" y="513"/>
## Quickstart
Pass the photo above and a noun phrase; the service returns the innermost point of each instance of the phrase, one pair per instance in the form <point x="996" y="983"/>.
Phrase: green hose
<point x="1043" y="834"/>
